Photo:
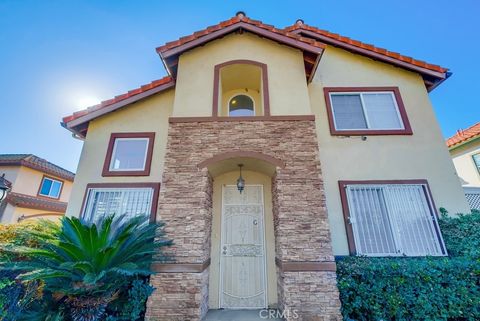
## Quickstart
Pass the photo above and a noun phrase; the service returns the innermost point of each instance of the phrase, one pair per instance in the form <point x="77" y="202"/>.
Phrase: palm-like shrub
<point x="84" y="265"/>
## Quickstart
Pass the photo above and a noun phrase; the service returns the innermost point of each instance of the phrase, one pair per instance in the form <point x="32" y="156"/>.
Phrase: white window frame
<point x="88" y="206"/>
<point x="396" y="241"/>
<point x="477" y="166"/>
<point x="53" y="180"/>
<point x="239" y="94"/>
<point x="112" y="158"/>
<point x="367" y="121"/>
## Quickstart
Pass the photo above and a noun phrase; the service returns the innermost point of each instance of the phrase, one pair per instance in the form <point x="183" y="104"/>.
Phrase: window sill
<point x="109" y="173"/>
<point x="378" y="132"/>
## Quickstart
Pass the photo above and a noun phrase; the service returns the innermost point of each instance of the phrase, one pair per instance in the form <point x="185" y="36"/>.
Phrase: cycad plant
<point x="84" y="265"/>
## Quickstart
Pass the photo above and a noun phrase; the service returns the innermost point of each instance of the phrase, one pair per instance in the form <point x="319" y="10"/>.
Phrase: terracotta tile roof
<point x="234" y="20"/>
<point x="359" y="44"/>
<point x="169" y="52"/>
<point x="28" y="201"/>
<point x="119" y="98"/>
<point x="464" y="135"/>
<point x="37" y="163"/>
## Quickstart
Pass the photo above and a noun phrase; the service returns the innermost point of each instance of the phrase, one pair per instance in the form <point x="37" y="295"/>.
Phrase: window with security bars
<point x="393" y="220"/>
<point x="131" y="202"/>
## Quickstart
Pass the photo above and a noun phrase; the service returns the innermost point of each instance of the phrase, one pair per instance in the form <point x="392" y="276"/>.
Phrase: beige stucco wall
<point x="286" y="75"/>
<point x="12" y="214"/>
<point x="464" y="164"/>
<point x="149" y="115"/>
<point x="420" y="156"/>
<point x="252" y="178"/>
<point x="27" y="181"/>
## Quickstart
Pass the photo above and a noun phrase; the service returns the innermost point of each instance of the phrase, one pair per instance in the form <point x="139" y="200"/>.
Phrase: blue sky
<point x="56" y="56"/>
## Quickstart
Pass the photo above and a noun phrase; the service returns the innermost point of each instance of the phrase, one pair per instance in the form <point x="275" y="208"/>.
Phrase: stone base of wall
<point x="312" y="295"/>
<point x="178" y="297"/>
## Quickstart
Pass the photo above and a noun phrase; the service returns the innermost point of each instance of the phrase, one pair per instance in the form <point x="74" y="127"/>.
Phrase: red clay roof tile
<point x="370" y="47"/>
<point x="464" y="135"/>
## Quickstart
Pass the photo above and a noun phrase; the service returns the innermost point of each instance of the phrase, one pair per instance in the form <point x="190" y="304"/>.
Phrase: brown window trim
<point x="362" y="132"/>
<point x="155" y="186"/>
<point x="148" y="161"/>
<point x="346" y="212"/>
<point x="216" y="83"/>
<point x="52" y="178"/>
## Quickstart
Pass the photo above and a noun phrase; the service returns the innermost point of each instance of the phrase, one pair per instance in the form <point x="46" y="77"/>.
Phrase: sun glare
<point x="86" y="101"/>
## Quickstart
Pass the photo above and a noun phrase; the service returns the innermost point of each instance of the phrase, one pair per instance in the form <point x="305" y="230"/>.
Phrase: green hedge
<point x="429" y="289"/>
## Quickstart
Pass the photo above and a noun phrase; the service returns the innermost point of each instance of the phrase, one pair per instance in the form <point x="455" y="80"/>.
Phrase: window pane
<point x="381" y="111"/>
<point x="373" y="234"/>
<point x="348" y="112"/>
<point x="130" y="202"/>
<point x="392" y="219"/>
<point x="56" y="187"/>
<point x="46" y="185"/>
<point x="241" y="105"/>
<point x="476" y="160"/>
<point x="129" y="154"/>
<point x="410" y="211"/>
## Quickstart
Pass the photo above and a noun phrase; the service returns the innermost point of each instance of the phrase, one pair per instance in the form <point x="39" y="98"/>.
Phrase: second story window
<point x="366" y="111"/>
<point x="50" y="187"/>
<point x="129" y="154"/>
<point x="476" y="160"/>
<point x="240" y="89"/>
<point x="241" y="105"/>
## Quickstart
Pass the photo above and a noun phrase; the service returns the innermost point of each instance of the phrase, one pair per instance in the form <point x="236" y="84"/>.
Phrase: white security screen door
<point x="242" y="250"/>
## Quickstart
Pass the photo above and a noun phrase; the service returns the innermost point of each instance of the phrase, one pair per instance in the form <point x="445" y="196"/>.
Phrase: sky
<point x="59" y="56"/>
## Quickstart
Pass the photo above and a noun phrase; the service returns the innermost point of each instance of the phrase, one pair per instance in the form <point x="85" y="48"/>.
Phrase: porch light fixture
<point x="4" y="187"/>
<point x="240" y="180"/>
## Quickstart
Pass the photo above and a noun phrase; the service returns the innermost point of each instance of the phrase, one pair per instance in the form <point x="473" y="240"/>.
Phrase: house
<point x="39" y="189"/>
<point x="464" y="149"/>
<point x="334" y="143"/>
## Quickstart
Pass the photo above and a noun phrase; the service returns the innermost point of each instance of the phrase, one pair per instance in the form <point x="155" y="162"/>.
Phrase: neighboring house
<point x="341" y="154"/>
<point x="464" y="148"/>
<point x="39" y="189"/>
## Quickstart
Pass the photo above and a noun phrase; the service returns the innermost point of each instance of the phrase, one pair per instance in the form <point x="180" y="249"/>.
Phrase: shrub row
<point x="430" y="289"/>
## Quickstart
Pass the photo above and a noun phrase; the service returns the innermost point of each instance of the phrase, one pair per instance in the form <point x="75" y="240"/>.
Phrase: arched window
<point x="241" y="105"/>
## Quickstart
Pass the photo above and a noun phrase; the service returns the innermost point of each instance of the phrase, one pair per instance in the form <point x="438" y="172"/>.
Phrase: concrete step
<point x="240" y="315"/>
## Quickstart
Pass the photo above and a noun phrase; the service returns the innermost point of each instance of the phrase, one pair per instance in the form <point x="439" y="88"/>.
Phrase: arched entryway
<point x="284" y="151"/>
<point x="242" y="271"/>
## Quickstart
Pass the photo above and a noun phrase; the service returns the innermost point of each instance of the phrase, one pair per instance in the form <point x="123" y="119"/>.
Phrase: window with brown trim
<point x="129" y="154"/>
<point x="50" y="187"/>
<point x="391" y="218"/>
<point x="366" y="111"/>
<point x="240" y="89"/>
<point x="128" y="199"/>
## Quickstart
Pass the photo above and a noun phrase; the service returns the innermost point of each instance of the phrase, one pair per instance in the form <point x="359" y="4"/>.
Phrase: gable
<point x="311" y="41"/>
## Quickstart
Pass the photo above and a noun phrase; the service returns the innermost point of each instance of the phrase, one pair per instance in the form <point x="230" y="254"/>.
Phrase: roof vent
<point x="241" y="14"/>
<point x="299" y="22"/>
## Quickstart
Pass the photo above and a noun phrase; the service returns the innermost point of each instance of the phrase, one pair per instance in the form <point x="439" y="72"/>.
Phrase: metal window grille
<point x="119" y="201"/>
<point x="393" y="220"/>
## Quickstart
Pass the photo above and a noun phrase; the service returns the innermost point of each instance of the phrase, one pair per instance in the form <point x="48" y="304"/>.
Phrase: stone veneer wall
<point x="300" y="217"/>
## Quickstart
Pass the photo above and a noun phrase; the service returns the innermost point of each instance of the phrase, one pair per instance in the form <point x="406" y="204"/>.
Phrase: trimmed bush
<point x="430" y="289"/>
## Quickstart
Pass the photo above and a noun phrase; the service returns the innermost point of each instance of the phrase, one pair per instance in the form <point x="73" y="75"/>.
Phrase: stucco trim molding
<point x="407" y="130"/>
<point x="216" y="83"/>
<point x="288" y="266"/>
<point x="148" y="161"/>
<point x="180" y="267"/>
<point x="241" y="153"/>
<point x="204" y="119"/>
